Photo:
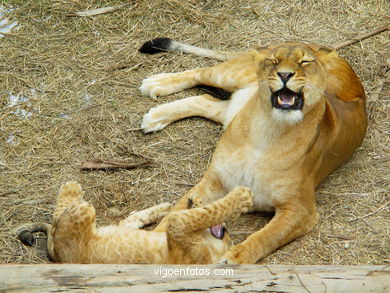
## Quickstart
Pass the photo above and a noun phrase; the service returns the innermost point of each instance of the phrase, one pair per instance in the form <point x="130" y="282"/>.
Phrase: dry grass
<point x="82" y="108"/>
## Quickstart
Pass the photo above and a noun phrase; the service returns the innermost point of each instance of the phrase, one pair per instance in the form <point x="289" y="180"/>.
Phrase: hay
<point x="76" y="81"/>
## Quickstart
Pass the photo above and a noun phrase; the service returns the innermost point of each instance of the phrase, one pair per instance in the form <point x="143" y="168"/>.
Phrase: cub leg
<point x="208" y="185"/>
<point x="74" y="224"/>
<point x="291" y="220"/>
<point x="70" y="193"/>
<point x="203" y="106"/>
<point x="239" y="200"/>
<point x="145" y="217"/>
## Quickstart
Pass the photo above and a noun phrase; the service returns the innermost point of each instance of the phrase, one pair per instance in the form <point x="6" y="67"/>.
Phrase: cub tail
<point x="159" y="45"/>
<point x="25" y="232"/>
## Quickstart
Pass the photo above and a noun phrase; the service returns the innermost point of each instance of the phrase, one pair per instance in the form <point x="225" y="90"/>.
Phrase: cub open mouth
<point x="218" y="231"/>
<point x="286" y="99"/>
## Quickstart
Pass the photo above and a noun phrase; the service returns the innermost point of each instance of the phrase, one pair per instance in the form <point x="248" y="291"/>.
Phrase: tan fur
<point x="280" y="155"/>
<point x="75" y="238"/>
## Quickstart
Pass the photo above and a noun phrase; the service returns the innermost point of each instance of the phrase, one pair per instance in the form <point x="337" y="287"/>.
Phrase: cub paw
<point x="163" y="207"/>
<point x="157" y="85"/>
<point x="154" y="120"/>
<point x="71" y="189"/>
<point x="245" y="198"/>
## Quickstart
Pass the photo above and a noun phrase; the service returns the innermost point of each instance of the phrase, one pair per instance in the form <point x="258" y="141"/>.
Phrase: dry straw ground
<point x="77" y="82"/>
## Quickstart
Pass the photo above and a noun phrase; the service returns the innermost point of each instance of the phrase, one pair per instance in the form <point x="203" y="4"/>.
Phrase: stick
<point x="98" y="164"/>
<point x="97" y="11"/>
<point x="370" y="214"/>
<point x="360" y="37"/>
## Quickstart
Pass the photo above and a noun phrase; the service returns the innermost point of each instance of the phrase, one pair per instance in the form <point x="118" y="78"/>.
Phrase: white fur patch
<point x="238" y="101"/>
<point x="287" y="116"/>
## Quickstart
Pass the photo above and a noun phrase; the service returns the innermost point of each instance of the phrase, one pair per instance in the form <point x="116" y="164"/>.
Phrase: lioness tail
<point x="166" y="44"/>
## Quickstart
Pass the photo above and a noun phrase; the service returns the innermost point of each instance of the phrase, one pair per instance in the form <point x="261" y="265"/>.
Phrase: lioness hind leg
<point x="203" y="106"/>
<point x="230" y="76"/>
<point x="164" y="84"/>
<point x="145" y="217"/>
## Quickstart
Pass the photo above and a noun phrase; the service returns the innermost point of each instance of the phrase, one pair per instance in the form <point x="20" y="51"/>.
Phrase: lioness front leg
<point x="291" y="220"/>
<point x="203" y="106"/>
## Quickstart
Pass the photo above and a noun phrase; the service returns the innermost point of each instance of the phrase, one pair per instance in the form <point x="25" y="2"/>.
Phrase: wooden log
<point x="215" y="278"/>
<point x="210" y="278"/>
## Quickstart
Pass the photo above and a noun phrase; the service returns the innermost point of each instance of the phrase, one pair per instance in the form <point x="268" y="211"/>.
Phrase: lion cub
<point x="74" y="238"/>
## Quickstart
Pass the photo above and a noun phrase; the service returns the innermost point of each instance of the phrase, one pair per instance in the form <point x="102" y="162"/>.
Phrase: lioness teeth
<point x="290" y="102"/>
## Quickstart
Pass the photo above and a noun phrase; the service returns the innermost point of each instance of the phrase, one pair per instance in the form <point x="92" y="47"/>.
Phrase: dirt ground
<point x="69" y="93"/>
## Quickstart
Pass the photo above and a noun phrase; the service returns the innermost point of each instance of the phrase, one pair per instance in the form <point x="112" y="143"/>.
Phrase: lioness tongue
<point x="217" y="231"/>
<point x="286" y="99"/>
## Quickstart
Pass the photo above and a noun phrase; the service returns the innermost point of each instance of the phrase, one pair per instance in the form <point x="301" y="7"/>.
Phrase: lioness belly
<point x="247" y="173"/>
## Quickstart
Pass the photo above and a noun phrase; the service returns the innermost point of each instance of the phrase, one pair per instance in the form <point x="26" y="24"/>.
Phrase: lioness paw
<point x="154" y="120"/>
<point x="195" y="201"/>
<point x="236" y="255"/>
<point x="158" y="85"/>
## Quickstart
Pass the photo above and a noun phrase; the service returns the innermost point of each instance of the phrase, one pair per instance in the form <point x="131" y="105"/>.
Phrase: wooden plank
<point x="210" y="278"/>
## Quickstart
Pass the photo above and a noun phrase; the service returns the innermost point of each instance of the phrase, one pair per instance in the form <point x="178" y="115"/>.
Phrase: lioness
<point x="193" y="236"/>
<point x="297" y="112"/>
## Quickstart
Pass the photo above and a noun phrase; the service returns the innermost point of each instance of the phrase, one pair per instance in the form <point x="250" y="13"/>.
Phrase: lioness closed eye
<point x="74" y="237"/>
<point x="296" y="113"/>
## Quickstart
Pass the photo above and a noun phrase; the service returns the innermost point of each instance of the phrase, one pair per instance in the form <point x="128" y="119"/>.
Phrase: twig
<point x="5" y="115"/>
<point x="360" y="37"/>
<point x="370" y="214"/>
<point x="123" y="66"/>
<point x="97" y="11"/>
<point x="340" y="237"/>
<point x="110" y="165"/>
<point x="9" y="192"/>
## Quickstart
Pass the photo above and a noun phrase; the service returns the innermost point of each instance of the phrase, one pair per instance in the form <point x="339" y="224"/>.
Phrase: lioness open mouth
<point x="286" y="99"/>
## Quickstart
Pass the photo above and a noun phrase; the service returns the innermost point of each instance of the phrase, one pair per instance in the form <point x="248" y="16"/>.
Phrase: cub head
<point x="218" y="241"/>
<point x="295" y="78"/>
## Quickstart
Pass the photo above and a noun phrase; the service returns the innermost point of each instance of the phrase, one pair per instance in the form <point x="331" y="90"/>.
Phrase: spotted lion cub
<point x="74" y="237"/>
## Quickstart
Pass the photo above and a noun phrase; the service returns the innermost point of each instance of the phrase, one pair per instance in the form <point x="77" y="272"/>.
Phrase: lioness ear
<point x="260" y="53"/>
<point x="262" y="50"/>
<point x="259" y="48"/>
<point x="326" y="50"/>
<point x="320" y="49"/>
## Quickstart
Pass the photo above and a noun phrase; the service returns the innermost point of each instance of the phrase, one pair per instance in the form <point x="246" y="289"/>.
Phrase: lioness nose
<point x="285" y="76"/>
